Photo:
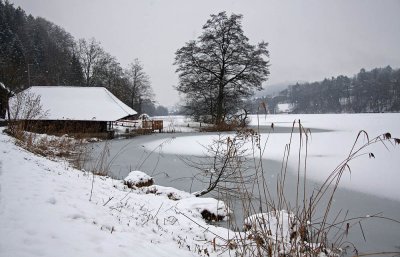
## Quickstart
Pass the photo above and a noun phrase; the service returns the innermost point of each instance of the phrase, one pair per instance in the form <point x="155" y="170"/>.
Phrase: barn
<point x="88" y="111"/>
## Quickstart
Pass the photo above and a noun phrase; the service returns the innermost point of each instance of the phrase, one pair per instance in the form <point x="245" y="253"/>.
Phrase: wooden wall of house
<point x="3" y="102"/>
<point x="58" y="127"/>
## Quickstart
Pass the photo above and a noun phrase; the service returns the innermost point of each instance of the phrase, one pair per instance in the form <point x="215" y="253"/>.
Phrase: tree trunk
<point x="8" y="108"/>
<point x="140" y="105"/>
<point x="220" y="106"/>
<point x="133" y="100"/>
<point x="243" y="122"/>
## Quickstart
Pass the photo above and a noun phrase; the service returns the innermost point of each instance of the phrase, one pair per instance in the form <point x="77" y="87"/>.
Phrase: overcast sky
<point x="308" y="40"/>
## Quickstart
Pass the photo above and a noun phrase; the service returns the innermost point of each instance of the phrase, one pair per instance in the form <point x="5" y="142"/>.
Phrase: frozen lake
<point x="372" y="186"/>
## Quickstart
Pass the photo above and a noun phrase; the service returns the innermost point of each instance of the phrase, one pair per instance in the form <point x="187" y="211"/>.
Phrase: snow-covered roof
<point x="80" y="103"/>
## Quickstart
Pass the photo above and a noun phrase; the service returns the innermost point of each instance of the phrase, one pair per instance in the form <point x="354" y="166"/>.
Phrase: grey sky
<point x="309" y="40"/>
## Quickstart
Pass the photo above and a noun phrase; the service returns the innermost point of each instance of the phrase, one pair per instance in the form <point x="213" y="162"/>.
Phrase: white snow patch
<point x="198" y="204"/>
<point x="138" y="178"/>
<point x="170" y="192"/>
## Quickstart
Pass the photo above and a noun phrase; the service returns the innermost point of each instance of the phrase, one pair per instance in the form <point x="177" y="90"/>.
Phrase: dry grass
<point x="49" y="146"/>
<point x="75" y="150"/>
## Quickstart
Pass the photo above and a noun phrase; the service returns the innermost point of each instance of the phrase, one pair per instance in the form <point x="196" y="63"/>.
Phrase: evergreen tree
<point x="33" y="51"/>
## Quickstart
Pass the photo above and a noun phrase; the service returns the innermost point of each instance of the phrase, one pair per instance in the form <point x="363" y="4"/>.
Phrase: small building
<point x="68" y="110"/>
<point x="283" y="108"/>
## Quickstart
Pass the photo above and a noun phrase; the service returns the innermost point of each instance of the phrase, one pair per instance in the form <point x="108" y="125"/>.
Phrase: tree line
<point x="34" y="51"/>
<point x="377" y="90"/>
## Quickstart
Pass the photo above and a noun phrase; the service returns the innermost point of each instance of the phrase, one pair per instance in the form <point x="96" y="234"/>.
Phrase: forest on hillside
<point x="37" y="52"/>
<point x="377" y="90"/>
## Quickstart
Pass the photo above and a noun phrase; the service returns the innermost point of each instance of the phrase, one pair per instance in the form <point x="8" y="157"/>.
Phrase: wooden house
<point x="88" y="111"/>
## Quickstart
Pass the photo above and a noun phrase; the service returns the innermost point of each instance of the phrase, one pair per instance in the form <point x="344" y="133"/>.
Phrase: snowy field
<point x="378" y="176"/>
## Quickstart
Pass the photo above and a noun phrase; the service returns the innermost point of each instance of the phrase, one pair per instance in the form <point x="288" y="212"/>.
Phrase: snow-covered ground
<point x="48" y="208"/>
<point x="45" y="208"/>
<point x="378" y="176"/>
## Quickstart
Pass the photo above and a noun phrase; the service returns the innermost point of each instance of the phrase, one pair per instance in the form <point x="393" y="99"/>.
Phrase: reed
<point x="280" y="224"/>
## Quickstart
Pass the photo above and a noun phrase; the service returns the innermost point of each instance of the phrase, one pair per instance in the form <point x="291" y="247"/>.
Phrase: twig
<point x="108" y="200"/>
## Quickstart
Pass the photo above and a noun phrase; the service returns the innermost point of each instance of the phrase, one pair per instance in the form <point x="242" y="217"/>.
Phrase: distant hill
<point x="377" y="90"/>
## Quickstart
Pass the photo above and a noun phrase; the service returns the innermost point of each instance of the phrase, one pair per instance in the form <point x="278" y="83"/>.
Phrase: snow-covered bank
<point x="45" y="211"/>
<point x="48" y="208"/>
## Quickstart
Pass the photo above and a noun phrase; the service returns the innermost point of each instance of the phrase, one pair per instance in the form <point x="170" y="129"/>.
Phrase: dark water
<point x="170" y="170"/>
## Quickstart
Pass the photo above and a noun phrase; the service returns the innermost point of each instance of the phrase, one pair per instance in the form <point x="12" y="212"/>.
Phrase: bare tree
<point x="23" y="108"/>
<point x="91" y="55"/>
<point x="221" y="62"/>
<point x="139" y="85"/>
<point x="226" y="167"/>
<point x="105" y="71"/>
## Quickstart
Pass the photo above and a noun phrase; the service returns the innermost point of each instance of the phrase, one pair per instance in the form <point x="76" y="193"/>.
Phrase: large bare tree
<point x="221" y="66"/>
<point x="91" y="55"/>
<point x="139" y="85"/>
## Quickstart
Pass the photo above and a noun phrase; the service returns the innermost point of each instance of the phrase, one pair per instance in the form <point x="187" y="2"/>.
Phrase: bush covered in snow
<point x="209" y="208"/>
<point x="138" y="179"/>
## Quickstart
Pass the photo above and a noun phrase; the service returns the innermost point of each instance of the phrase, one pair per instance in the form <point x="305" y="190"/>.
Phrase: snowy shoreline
<point x="45" y="211"/>
<point x="48" y="208"/>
